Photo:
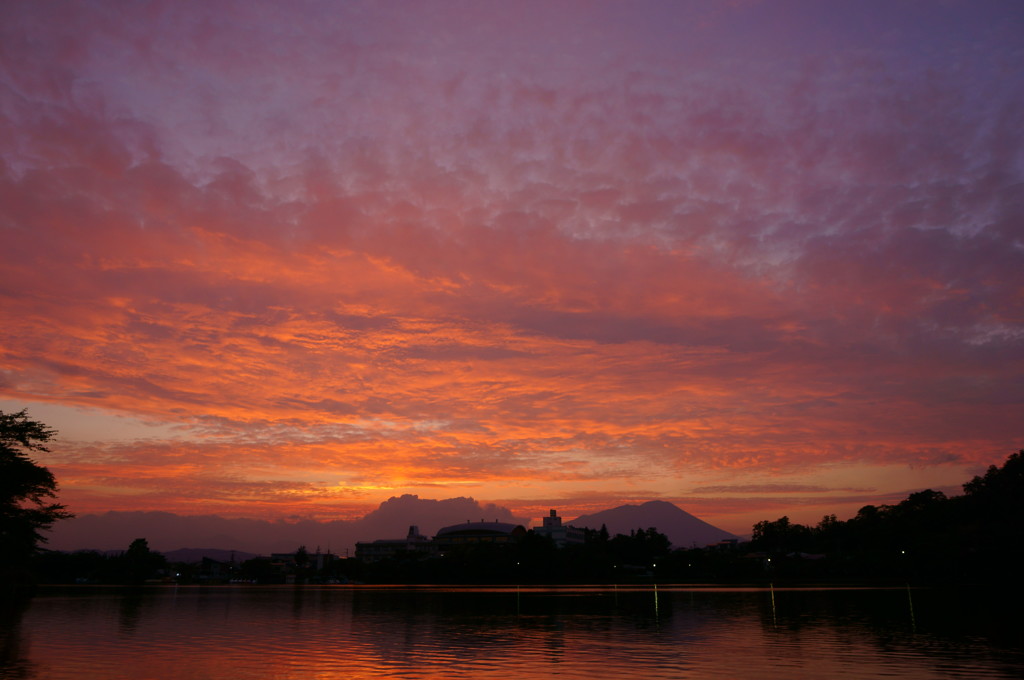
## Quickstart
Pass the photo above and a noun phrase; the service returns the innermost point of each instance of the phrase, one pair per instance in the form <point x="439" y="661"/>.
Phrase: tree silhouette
<point x="780" y="536"/>
<point x="992" y="509"/>
<point x="641" y="548"/>
<point x="1000" y="486"/>
<point x="928" y="537"/>
<point x="141" y="563"/>
<point x="26" y="488"/>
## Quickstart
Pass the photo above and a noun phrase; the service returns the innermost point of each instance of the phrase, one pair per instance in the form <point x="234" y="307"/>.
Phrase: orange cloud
<point x="401" y="259"/>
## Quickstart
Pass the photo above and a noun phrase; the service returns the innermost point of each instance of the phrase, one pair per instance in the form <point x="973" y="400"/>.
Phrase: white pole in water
<point x="910" y="601"/>
<point x="654" y="566"/>
<point x="775" y="623"/>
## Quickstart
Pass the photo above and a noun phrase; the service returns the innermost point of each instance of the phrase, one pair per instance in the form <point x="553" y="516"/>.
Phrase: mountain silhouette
<point x="683" y="529"/>
<point x="115" y="530"/>
<point x="167" y="532"/>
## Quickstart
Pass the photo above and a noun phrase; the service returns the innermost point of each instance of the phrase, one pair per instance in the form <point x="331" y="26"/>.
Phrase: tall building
<point x="561" y="534"/>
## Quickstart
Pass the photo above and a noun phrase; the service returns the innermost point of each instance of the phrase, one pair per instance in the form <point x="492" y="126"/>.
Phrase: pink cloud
<point x="503" y="250"/>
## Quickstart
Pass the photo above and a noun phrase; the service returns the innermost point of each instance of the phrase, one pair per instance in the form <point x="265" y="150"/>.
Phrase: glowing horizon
<point x="752" y="258"/>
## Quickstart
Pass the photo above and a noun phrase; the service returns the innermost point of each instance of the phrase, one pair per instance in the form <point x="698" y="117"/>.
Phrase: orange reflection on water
<point x="585" y="632"/>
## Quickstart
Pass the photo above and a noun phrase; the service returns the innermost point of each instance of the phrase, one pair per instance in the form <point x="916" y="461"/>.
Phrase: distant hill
<point x="167" y="532"/>
<point x="682" y="528"/>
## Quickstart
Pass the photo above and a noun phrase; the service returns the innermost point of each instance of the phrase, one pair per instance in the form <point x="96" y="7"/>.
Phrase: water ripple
<point x="284" y="633"/>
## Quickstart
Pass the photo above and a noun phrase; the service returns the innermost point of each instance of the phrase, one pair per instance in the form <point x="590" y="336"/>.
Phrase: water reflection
<point x="261" y="632"/>
<point x="14" y="661"/>
<point x="129" y="611"/>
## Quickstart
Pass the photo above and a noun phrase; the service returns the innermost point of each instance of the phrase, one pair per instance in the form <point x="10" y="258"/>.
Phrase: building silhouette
<point x="561" y="534"/>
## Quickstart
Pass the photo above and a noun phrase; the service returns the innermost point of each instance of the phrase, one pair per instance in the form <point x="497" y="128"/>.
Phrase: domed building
<point x="478" y="532"/>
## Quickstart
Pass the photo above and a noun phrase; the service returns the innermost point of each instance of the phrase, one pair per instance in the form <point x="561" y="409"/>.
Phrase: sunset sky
<point x="268" y="259"/>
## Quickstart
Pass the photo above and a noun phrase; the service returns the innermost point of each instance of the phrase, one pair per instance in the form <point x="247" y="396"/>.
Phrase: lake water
<point x="260" y="632"/>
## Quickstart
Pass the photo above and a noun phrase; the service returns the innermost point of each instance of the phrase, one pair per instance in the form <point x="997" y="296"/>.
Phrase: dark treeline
<point x="136" y="565"/>
<point x="928" y="538"/>
<point x="534" y="559"/>
<point x="976" y="537"/>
